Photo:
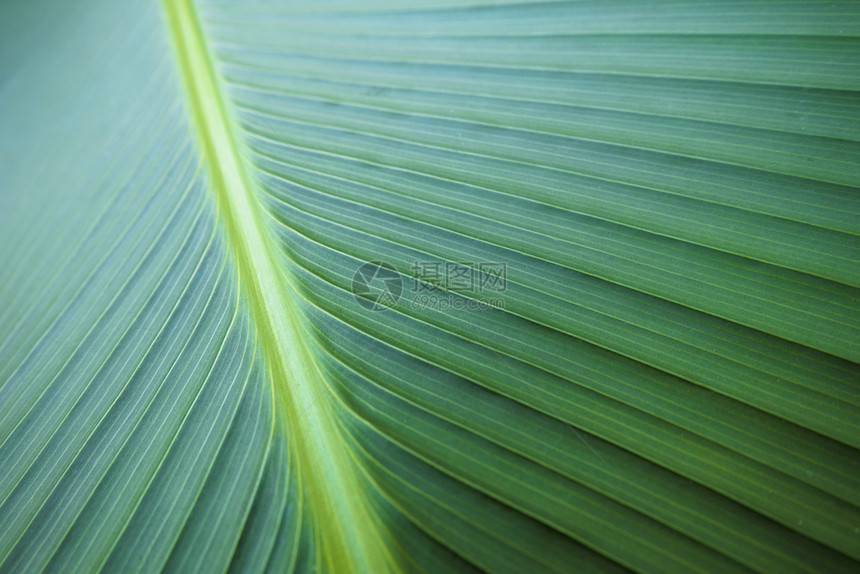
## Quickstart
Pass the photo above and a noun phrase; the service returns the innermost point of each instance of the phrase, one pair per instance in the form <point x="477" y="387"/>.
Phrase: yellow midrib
<point x="348" y="530"/>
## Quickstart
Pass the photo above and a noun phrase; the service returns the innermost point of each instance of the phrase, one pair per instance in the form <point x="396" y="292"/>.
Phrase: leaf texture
<point x="666" y="381"/>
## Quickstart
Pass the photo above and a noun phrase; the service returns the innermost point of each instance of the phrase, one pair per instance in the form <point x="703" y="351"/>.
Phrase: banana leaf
<point x="429" y="286"/>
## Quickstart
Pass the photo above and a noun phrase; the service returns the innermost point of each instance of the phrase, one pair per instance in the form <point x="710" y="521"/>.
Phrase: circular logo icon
<point x="376" y="285"/>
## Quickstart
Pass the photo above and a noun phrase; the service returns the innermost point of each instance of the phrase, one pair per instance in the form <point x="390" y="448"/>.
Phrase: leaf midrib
<point x="349" y="532"/>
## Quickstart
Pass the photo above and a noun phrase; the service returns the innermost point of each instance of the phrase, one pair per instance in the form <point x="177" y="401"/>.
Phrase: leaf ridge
<point x="297" y="384"/>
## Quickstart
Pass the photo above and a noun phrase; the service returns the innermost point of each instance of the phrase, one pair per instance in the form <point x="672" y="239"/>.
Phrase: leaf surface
<point x="199" y="371"/>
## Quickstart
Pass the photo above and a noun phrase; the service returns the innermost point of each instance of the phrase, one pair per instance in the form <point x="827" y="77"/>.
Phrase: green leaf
<point x="434" y="286"/>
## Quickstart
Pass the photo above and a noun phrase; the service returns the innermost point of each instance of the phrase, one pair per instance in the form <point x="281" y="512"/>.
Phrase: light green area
<point x="670" y="382"/>
<point x="296" y="380"/>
